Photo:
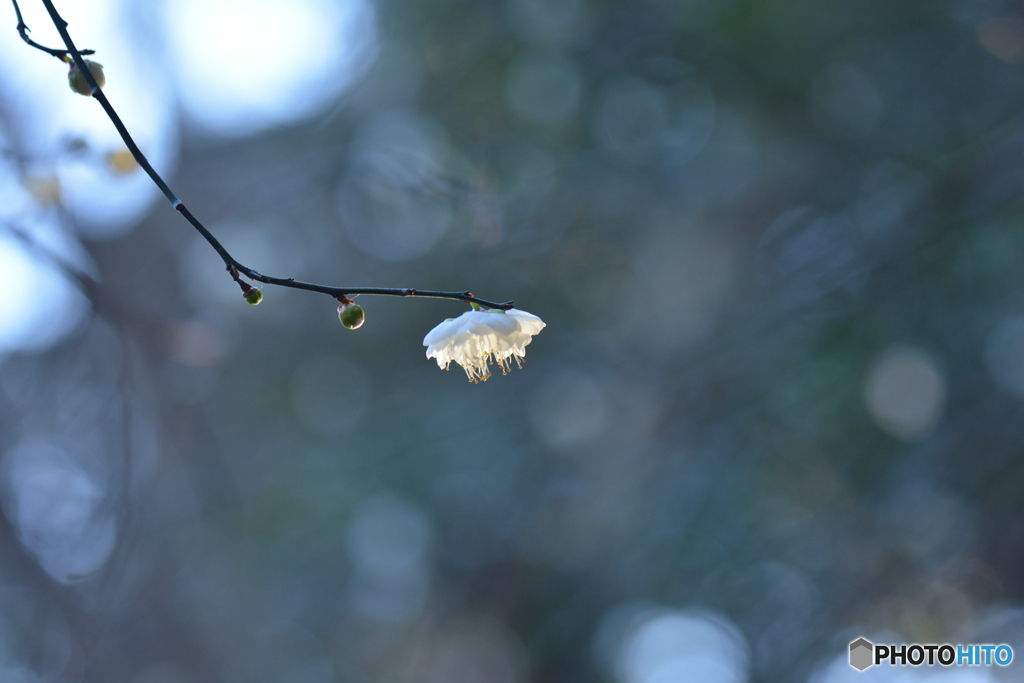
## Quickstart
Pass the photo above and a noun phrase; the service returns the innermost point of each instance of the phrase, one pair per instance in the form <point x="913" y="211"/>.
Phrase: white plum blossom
<point x="477" y="339"/>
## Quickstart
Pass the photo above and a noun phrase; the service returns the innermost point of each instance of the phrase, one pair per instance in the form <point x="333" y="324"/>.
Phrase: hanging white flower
<point x="477" y="339"/>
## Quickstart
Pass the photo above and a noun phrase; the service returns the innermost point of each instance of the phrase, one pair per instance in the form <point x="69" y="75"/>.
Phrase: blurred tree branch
<point x="233" y="266"/>
<point x="84" y="280"/>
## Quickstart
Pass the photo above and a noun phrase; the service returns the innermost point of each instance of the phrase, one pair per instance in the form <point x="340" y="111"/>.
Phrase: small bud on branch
<point x="78" y="82"/>
<point x="351" y="316"/>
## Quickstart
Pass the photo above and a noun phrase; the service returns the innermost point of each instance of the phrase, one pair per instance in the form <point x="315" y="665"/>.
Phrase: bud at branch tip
<point x="252" y="295"/>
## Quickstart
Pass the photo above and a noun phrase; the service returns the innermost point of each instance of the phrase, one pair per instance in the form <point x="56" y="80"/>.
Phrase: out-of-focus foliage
<point x="779" y="403"/>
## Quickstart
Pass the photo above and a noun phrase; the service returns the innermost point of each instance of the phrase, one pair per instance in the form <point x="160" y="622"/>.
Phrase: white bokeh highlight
<point x="39" y="305"/>
<point x="669" y="646"/>
<point x="245" y="65"/>
<point x="57" y="510"/>
<point x="905" y="392"/>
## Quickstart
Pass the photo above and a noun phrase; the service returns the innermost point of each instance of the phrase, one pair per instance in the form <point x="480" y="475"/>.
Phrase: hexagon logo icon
<point x="861" y="654"/>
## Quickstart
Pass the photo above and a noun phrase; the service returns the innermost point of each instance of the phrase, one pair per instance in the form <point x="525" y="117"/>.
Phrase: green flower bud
<point x="351" y="316"/>
<point x="254" y="296"/>
<point x="77" y="80"/>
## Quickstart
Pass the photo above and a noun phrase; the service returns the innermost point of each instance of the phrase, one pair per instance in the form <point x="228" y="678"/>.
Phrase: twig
<point x="232" y="265"/>
<point x="24" y="30"/>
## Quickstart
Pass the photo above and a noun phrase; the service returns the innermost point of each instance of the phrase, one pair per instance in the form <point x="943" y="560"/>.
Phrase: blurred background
<point x="779" y="403"/>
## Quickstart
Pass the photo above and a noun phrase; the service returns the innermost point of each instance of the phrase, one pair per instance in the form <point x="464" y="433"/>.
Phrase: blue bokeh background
<point x="777" y="405"/>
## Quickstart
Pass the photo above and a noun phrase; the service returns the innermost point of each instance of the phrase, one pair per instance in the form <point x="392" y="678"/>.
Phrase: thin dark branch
<point x="229" y="261"/>
<point x="24" y="30"/>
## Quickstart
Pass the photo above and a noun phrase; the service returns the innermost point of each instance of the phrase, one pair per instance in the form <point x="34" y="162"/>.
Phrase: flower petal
<point x="476" y="339"/>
